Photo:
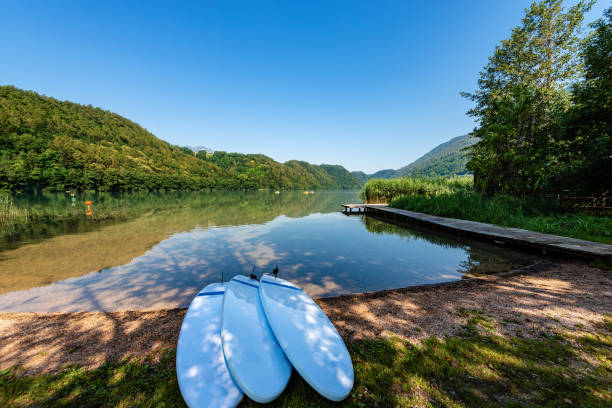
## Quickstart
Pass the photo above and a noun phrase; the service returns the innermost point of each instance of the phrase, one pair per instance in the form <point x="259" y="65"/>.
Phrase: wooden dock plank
<point x="362" y="205"/>
<point x="553" y="243"/>
<point x="348" y="208"/>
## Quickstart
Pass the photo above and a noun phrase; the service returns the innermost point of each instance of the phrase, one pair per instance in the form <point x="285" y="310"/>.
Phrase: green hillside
<point x="447" y="159"/>
<point x="260" y="171"/>
<point x="54" y="145"/>
<point x="361" y="176"/>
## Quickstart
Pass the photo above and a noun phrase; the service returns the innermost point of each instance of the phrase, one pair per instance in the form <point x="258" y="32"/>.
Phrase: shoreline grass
<point x="475" y="368"/>
<point x="530" y="214"/>
<point x="456" y="198"/>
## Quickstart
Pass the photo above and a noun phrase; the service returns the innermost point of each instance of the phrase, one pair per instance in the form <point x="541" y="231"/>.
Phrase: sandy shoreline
<point x="551" y="296"/>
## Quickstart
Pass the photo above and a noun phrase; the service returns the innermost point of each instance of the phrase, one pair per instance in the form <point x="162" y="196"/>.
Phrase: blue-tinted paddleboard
<point x="310" y="341"/>
<point x="203" y="376"/>
<point x="254" y="357"/>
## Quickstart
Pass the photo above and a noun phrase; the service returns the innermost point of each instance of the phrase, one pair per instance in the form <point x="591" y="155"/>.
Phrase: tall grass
<point x="528" y="213"/>
<point x="9" y="212"/>
<point x="383" y="191"/>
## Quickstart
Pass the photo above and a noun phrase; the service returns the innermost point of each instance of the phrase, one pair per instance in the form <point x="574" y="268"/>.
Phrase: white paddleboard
<point x="310" y="341"/>
<point x="254" y="357"/>
<point x="203" y="376"/>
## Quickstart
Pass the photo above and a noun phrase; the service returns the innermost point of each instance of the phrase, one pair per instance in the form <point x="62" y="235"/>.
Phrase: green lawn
<point x="476" y="368"/>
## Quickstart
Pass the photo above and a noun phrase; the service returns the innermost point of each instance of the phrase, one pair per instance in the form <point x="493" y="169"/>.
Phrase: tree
<point x="587" y="147"/>
<point x="521" y="97"/>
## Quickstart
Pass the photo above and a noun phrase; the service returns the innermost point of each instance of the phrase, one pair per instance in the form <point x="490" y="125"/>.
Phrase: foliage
<point x="361" y="176"/>
<point x="259" y="171"/>
<point x="475" y="368"/>
<point x="379" y="190"/>
<point x="521" y="99"/>
<point x="530" y="213"/>
<point x="447" y="159"/>
<point x="48" y="144"/>
<point x="341" y="176"/>
<point x="586" y="145"/>
<point x="384" y="174"/>
<point x="53" y="145"/>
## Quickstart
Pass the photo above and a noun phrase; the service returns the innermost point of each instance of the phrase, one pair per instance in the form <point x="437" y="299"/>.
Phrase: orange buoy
<point x="88" y="203"/>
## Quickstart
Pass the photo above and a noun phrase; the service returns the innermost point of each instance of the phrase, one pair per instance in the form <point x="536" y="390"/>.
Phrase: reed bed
<point x="9" y="212"/>
<point x="383" y="190"/>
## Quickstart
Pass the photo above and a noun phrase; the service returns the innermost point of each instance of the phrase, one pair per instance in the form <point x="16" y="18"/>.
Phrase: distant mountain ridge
<point x="47" y="144"/>
<point x="446" y="159"/>
<point x="196" y="149"/>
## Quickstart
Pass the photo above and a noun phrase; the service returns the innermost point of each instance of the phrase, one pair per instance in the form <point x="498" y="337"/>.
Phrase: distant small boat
<point x="277" y="192"/>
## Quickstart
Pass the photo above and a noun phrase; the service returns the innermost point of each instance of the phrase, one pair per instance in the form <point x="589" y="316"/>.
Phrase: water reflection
<point x="66" y="245"/>
<point x="52" y="214"/>
<point x="320" y="249"/>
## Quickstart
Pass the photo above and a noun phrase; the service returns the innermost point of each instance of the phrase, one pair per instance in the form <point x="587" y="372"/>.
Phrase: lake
<point x="157" y="250"/>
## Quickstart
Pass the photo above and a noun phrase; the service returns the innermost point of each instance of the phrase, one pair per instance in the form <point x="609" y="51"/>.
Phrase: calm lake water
<point x="164" y="247"/>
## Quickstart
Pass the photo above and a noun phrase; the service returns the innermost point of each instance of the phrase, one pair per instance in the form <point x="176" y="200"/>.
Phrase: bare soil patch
<point x="549" y="296"/>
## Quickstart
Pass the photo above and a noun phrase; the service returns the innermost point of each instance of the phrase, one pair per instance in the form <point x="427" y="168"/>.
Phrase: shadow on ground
<point x="539" y="339"/>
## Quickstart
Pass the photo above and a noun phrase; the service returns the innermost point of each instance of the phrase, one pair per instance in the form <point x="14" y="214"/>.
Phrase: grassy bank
<point x="476" y="368"/>
<point x="531" y="214"/>
<point x="456" y="198"/>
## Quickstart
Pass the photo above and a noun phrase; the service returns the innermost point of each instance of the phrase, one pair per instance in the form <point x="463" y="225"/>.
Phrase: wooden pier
<point x="546" y="243"/>
<point x="348" y="208"/>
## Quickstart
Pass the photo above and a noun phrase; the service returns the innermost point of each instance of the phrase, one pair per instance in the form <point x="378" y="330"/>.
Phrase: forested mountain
<point x="447" y="159"/>
<point x="258" y="170"/>
<point x="54" y="145"/>
<point x="196" y="149"/>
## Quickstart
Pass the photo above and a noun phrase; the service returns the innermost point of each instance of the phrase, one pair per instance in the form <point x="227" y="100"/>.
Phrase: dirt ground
<point x="550" y="295"/>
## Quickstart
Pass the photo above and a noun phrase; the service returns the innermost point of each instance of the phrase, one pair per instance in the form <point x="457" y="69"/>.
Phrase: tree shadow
<point x="493" y="341"/>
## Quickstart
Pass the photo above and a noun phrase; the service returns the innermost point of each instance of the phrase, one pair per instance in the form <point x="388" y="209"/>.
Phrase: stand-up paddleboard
<point x="203" y="376"/>
<point x="254" y="357"/>
<point x="310" y="341"/>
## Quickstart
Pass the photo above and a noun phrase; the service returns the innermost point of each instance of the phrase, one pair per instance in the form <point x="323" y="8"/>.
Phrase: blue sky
<point x="369" y="85"/>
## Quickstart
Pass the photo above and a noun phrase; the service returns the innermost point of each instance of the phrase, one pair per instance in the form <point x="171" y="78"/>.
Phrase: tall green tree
<point x="521" y="98"/>
<point x="587" y="148"/>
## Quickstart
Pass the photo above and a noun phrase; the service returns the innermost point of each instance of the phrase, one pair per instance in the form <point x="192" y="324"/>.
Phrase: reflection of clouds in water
<point x="324" y="286"/>
<point x="329" y="254"/>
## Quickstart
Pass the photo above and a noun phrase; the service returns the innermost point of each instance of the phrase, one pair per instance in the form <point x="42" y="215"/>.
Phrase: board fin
<point x="252" y="275"/>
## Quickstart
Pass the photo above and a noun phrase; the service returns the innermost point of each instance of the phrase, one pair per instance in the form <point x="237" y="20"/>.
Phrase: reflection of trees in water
<point x="153" y="217"/>
<point x="53" y="214"/>
<point x="482" y="258"/>
<point x="380" y="227"/>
